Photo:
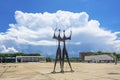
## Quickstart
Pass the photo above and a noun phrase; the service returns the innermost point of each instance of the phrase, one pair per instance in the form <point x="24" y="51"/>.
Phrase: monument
<point x="61" y="55"/>
<point x="58" y="52"/>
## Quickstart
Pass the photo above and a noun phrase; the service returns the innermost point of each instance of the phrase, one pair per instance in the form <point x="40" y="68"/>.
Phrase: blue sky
<point x="106" y="11"/>
<point x="24" y="25"/>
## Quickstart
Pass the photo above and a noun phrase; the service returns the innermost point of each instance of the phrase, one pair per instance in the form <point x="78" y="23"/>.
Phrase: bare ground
<point x="42" y="71"/>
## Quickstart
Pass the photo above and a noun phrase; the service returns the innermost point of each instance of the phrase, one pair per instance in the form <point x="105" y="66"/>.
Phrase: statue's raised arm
<point x="67" y="38"/>
<point x="58" y="37"/>
<point x="54" y="36"/>
<point x="70" y="35"/>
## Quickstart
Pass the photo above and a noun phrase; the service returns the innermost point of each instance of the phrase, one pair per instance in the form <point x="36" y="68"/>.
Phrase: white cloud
<point x="36" y="29"/>
<point x="4" y="49"/>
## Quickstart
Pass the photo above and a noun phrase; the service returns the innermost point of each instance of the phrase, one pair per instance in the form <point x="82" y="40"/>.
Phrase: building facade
<point x="30" y="59"/>
<point x="100" y="58"/>
<point x="83" y="54"/>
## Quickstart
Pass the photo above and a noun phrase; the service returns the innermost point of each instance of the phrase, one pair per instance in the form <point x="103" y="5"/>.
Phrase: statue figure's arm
<point x="54" y="36"/>
<point x="69" y="36"/>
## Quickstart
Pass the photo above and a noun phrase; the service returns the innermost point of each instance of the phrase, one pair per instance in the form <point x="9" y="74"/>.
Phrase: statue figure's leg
<point x="60" y="58"/>
<point x="68" y="59"/>
<point x="56" y="59"/>
<point x="63" y="56"/>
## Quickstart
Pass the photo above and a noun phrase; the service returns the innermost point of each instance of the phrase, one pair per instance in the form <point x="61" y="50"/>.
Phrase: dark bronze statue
<point x="61" y="55"/>
<point x="64" y="51"/>
<point x="58" y="52"/>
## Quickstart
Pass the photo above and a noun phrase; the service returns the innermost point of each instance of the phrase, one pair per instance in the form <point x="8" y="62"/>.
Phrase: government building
<point x="30" y="59"/>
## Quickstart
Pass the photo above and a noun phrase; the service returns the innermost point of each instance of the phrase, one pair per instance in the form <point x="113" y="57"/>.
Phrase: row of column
<point x="28" y="59"/>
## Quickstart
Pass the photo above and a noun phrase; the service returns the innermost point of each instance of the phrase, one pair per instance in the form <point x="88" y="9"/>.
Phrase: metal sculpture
<point x="64" y="51"/>
<point x="61" y="55"/>
<point x="58" y="52"/>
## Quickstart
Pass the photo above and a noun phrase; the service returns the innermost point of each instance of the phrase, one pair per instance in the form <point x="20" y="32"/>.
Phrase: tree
<point x="49" y="59"/>
<point x="99" y="52"/>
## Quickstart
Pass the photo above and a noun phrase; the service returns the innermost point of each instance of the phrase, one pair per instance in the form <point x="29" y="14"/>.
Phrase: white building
<point x="100" y="58"/>
<point x="30" y="59"/>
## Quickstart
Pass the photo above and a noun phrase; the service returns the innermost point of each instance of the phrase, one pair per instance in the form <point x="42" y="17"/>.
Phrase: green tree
<point x="49" y="59"/>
